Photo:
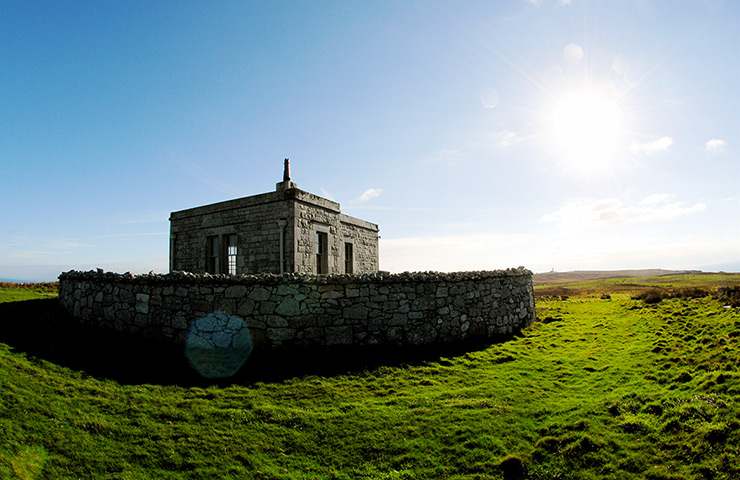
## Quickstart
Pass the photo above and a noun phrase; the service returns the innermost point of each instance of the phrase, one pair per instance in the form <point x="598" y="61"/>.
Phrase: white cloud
<point x="656" y="198"/>
<point x="41" y="249"/>
<point x="30" y="254"/>
<point x="500" y="138"/>
<point x="475" y="145"/>
<point x="715" y="145"/>
<point x="205" y="174"/>
<point x="369" y="194"/>
<point x="562" y="249"/>
<point x="652" y="147"/>
<point x="454" y="252"/>
<point x="326" y="194"/>
<point x="137" y="217"/>
<point x="447" y="156"/>
<point x="134" y="235"/>
<point x="611" y="211"/>
<point x="557" y="2"/>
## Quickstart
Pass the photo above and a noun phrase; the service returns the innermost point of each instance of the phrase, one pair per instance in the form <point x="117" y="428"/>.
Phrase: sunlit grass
<point x="611" y="389"/>
<point x="14" y="292"/>
<point x="636" y="285"/>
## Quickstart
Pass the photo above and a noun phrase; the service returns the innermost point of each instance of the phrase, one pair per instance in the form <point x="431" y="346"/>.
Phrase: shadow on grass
<point x="43" y="329"/>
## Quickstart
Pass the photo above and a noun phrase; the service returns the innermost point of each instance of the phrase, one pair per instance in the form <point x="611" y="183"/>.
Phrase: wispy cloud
<point x="557" y="2"/>
<point x="454" y="252"/>
<point x="134" y="235"/>
<point x="474" y="145"/>
<point x="656" y="198"/>
<point x="612" y="211"/>
<point x="34" y="254"/>
<point x="31" y="248"/>
<point x="326" y="194"/>
<point x="205" y="175"/>
<point x="563" y="249"/>
<point x="66" y="243"/>
<point x="138" y="217"/>
<point x="498" y="139"/>
<point x="446" y="156"/>
<point x="369" y="194"/>
<point x="715" y="145"/>
<point x="658" y="145"/>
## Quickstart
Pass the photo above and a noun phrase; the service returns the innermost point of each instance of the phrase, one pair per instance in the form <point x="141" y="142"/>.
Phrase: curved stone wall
<point x="267" y="311"/>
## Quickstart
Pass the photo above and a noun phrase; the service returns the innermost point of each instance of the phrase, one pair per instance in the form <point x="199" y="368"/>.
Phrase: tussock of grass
<point x="607" y="389"/>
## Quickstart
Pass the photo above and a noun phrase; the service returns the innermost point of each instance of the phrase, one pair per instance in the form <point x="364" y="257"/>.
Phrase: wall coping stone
<point x="291" y="278"/>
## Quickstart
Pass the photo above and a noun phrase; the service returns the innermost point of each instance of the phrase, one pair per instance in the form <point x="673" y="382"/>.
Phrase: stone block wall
<point x="310" y="218"/>
<point x="256" y="223"/>
<point x="309" y="311"/>
<point x="253" y="219"/>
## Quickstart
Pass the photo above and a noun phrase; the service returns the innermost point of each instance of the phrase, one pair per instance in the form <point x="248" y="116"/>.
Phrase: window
<point x="348" y="258"/>
<point x="213" y="263"/>
<point x="322" y="253"/>
<point x="221" y="253"/>
<point x="231" y="254"/>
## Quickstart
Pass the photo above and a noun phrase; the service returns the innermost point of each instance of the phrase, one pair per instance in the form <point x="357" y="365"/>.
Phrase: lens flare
<point x="490" y="98"/>
<point x="218" y="345"/>
<point x="572" y="53"/>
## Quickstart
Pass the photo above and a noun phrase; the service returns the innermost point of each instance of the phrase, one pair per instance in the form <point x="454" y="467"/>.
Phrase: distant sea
<point x="727" y="267"/>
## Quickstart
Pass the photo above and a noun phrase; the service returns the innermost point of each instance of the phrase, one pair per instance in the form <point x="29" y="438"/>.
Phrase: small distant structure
<point x="285" y="231"/>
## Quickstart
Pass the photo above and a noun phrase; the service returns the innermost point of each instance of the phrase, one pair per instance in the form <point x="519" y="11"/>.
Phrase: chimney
<point x="286" y="170"/>
<point x="286" y="183"/>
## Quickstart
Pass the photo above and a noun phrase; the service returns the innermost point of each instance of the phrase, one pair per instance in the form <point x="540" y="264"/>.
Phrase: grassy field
<point x="600" y="388"/>
<point x="14" y="292"/>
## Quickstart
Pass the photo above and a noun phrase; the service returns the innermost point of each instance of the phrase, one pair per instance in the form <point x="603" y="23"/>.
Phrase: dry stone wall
<point x="271" y="311"/>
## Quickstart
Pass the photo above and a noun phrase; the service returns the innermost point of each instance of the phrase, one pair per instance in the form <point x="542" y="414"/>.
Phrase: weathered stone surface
<point x="246" y="307"/>
<point x="260" y="294"/>
<point x="280" y="335"/>
<point x="356" y="312"/>
<point x="235" y="291"/>
<point x="332" y="294"/>
<point x="339" y="335"/>
<point x="208" y="324"/>
<point x="266" y="311"/>
<point x="242" y="339"/>
<point x="221" y="339"/>
<point x="289" y="307"/>
<point x="277" y="321"/>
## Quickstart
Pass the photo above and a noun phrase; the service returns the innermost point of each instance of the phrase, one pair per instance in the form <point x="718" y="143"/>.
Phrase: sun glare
<point x="586" y="130"/>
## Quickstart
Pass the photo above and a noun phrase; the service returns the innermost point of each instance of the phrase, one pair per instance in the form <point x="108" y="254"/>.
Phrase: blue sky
<point x="477" y="135"/>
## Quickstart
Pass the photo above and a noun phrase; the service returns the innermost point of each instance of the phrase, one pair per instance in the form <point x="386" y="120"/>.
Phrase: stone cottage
<point x="288" y="230"/>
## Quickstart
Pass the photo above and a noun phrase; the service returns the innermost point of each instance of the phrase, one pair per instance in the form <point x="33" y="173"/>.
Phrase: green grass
<point x="15" y="292"/>
<point x="604" y="389"/>
<point x="636" y="285"/>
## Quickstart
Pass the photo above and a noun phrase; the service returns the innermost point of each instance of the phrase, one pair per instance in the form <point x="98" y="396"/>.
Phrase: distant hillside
<point x="555" y="278"/>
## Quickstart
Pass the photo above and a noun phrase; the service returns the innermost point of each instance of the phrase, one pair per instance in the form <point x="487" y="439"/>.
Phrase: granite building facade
<point x="285" y="231"/>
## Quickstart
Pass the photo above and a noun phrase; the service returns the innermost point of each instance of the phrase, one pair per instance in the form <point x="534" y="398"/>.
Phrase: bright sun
<point x="586" y="130"/>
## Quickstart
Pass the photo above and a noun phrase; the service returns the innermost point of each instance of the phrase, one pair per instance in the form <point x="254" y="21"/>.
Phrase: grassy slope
<point x="603" y="389"/>
<point x="15" y="292"/>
